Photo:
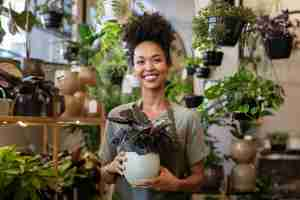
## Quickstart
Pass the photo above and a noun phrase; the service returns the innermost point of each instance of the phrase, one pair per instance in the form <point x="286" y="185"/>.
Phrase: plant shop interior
<point x="64" y="66"/>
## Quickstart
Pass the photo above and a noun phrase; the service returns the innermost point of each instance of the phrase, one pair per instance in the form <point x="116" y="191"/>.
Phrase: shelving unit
<point x="55" y="123"/>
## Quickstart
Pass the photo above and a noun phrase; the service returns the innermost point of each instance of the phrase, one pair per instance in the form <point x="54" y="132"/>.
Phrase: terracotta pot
<point x="73" y="106"/>
<point x="141" y="167"/>
<point x="33" y="67"/>
<point x="243" y="150"/>
<point x="67" y="82"/>
<point x="87" y="76"/>
<point x="91" y="107"/>
<point x="244" y="178"/>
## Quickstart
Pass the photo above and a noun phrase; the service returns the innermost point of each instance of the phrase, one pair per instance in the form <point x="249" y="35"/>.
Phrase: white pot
<point x="141" y="167"/>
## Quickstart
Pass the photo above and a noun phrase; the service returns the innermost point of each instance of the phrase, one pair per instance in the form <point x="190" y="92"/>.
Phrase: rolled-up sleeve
<point x="197" y="149"/>
<point x="107" y="151"/>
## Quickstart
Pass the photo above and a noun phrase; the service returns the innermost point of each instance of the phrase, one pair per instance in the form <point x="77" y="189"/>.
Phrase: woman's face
<point x="150" y="65"/>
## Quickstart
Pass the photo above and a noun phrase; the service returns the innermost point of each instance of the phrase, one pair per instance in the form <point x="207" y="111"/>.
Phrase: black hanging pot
<point x="233" y="27"/>
<point x="52" y="19"/>
<point x="212" y="58"/>
<point x="71" y="53"/>
<point x="190" y="70"/>
<point x="203" y="72"/>
<point x="279" y="47"/>
<point x="193" y="101"/>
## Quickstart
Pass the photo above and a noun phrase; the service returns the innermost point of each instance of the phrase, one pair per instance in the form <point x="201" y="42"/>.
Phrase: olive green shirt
<point x="191" y="149"/>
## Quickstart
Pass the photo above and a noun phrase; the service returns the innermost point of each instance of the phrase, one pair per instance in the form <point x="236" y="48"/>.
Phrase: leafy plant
<point x="278" y="137"/>
<point x="276" y="27"/>
<point x="205" y="38"/>
<point x="142" y="136"/>
<point x="85" y="48"/>
<point x="18" y="19"/>
<point x="243" y="96"/>
<point x="192" y="61"/>
<point x="34" y="177"/>
<point x="176" y="89"/>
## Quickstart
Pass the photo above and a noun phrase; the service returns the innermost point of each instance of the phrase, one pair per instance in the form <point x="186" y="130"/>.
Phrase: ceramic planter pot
<point x="243" y="150"/>
<point x="87" y="76"/>
<point x="279" y="48"/>
<point x="140" y="167"/>
<point x="212" y="58"/>
<point x="233" y="28"/>
<point x="91" y="108"/>
<point x="203" y="72"/>
<point x="190" y="70"/>
<point x="243" y="178"/>
<point x="33" y="67"/>
<point x="52" y="19"/>
<point x="67" y="82"/>
<point x="73" y="106"/>
<point x="193" y="101"/>
<point x="5" y="104"/>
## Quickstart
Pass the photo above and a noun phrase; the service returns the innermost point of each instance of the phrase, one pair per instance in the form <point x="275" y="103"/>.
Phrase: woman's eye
<point x="157" y="60"/>
<point x="140" y="62"/>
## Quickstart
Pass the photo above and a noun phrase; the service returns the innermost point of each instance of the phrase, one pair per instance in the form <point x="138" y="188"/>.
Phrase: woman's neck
<point x="154" y="103"/>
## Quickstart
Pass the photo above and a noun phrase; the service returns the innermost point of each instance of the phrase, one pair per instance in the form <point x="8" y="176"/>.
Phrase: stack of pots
<point x="72" y="85"/>
<point x="243" y="177"/>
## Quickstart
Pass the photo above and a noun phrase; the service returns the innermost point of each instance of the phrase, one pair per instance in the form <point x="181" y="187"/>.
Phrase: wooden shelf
<point x="59" y="121"/>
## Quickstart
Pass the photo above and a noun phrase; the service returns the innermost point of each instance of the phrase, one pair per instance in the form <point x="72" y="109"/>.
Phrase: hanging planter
<point x="212" y="58"/>
<point x="117" y="10"/>
<point x="221" y="24"/>
<point x="203" y="72"/>
<point x="276" y="34"/>
<point x="193" y="101"/>
<point x="232" y="28"/>
<point x="52" y="19"/>
<point x="279" y="48"/>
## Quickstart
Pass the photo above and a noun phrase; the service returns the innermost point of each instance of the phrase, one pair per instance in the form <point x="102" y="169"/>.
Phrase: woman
<point x="148" y="38"/>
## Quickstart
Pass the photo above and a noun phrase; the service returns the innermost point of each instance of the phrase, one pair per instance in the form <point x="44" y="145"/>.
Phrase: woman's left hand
<point x="166" y="181"/>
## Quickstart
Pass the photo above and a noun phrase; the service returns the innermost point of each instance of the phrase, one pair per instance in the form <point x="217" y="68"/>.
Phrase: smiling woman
<point x="148" y="38"/>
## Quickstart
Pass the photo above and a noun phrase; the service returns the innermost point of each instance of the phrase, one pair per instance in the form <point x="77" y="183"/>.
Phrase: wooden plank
<point x="29" y="121"/>
<point x="45" y="139"/>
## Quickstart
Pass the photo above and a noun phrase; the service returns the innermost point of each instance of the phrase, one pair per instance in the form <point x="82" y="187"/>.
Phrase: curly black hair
<point x="148" y="27"/>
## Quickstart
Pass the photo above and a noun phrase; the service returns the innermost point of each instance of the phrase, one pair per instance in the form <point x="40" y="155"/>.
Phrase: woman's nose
<point x="149" y="65"/>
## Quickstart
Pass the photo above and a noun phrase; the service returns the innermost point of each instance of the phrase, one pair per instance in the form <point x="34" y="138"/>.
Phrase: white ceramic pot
<point x="141" y="167"/>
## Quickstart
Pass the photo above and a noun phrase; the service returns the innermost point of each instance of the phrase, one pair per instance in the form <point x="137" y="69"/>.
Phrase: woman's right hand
<point x="117" y="165"/>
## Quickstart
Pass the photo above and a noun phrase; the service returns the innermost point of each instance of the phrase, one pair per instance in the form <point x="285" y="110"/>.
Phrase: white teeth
<point x="150" y="77"/>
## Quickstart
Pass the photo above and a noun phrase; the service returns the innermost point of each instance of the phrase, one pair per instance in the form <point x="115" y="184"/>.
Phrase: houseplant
<point x="242" y="97"/>
<point x="142" y="141"/>
<point x="276" y="34"/>
<point x="52" y="13"/>
<point x="208" y="46"/>
<point x="25" y="176"/>
<point x="278" y="140"/>
<point x="225" y="19"/>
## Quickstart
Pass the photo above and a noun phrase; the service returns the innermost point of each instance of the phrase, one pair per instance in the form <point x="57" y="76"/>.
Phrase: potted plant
<point x="142" y="141"/>
<point x="276" y="34"/>
<point x="176" y="89"/>
<point x="191" y="64"/>
<point x="193" y="101"/>
<point x="225" y="19"/>
<point x="203" y="72"/>
<point x="278" y="140"/>
<point x="52" y="13"/>
<point x="213" y="167"/>
<point x="242" y="97"/>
